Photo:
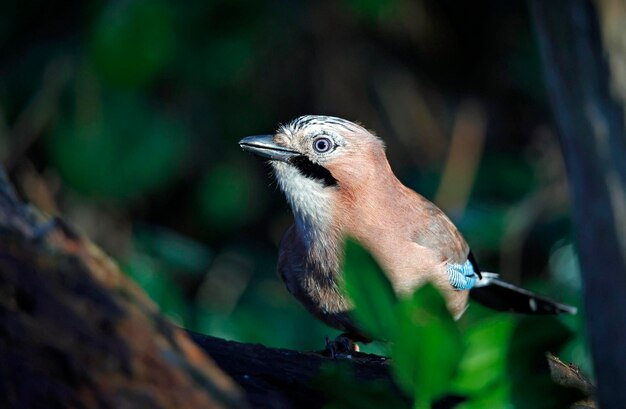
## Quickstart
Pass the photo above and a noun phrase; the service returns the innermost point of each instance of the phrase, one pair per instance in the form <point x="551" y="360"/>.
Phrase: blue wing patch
<point x="462" y="276"/>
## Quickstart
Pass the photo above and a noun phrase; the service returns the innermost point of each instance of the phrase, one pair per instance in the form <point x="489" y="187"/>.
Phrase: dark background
<point x="124" y="116"/>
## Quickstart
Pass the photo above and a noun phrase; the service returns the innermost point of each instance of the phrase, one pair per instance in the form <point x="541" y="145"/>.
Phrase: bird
<point x="339" y="184"/>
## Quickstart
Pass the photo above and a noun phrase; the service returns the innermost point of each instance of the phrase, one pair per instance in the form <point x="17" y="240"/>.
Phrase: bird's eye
<point x="322" y="145"/>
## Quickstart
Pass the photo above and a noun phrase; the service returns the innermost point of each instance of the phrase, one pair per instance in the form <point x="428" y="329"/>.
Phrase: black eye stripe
<point x="313" y="170"/>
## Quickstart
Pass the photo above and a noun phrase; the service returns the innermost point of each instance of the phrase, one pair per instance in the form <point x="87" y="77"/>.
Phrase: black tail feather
<point x="502" y="296"/>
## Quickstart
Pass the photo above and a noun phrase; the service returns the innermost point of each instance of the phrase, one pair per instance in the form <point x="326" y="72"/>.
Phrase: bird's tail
<point x="499" y="295"/>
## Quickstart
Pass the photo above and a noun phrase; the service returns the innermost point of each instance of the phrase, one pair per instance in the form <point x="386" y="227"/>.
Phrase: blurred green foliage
<point x="225" y="197"/>
<point x="427" y="346"/>
<point x="132" y="41"/>
<point x="492" y="361"/>
<point x="482" y="369"/>
<point x="120" y="153"/>
<point x="130" y="111"/>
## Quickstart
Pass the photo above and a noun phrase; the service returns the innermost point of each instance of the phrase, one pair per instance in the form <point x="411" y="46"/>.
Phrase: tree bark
<point x="591" y="128"/>
<point x="76" y="332"/>
<point x="282" y="378"/>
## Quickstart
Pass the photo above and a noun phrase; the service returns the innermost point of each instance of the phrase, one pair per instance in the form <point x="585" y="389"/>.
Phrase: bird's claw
<point x="340" y="346"/>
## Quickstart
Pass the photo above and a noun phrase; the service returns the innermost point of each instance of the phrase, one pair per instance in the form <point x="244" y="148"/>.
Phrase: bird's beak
<point x="264" y="146"/>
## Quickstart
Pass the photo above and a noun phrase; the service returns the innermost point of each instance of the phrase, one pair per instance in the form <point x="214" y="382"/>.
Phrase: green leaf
<point x="427" y="346"/>
<point x="484" y="364"/>
<point x="498" y="396"/>
<point x="370" y="291"/>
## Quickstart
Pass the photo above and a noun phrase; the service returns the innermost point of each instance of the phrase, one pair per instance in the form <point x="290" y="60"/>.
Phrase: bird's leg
<point x="344" y="344"/>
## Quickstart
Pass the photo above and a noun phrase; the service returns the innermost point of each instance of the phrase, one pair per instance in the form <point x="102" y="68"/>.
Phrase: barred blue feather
<point x="462" y="276"/>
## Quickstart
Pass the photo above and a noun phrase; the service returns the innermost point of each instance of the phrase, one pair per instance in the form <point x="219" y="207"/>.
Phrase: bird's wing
<point x="435" y="231"/>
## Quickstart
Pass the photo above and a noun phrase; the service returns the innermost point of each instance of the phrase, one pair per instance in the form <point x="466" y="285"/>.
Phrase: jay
<point x="338" y="182"/>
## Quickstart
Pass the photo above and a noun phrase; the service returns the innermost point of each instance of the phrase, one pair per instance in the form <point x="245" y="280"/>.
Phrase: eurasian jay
<point x="339" y="184"/>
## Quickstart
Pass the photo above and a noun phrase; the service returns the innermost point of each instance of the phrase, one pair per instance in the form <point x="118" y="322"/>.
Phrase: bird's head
<point x="329" y="151"/>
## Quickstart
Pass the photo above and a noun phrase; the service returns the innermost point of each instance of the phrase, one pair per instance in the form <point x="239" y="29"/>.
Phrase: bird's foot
<point x="343" y="345"/>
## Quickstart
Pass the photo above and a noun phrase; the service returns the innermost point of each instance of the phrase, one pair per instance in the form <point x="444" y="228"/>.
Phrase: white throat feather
<point x="311" y="203"/>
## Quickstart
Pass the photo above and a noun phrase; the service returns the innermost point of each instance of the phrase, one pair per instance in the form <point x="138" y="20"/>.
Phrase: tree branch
<point x="76" y="332"/>
<point x="282" y="378"/>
